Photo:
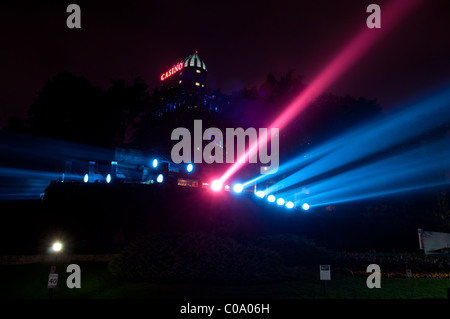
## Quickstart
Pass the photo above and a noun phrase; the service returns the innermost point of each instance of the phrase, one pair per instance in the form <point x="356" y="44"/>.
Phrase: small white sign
<point x="325" y="272"/>
<point x="408" y="273"/>
<point x="52" y="280"/>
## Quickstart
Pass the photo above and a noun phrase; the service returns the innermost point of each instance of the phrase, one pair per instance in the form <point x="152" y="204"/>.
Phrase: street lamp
<point x="56" y="247"/>
<point x="53" y="277"/>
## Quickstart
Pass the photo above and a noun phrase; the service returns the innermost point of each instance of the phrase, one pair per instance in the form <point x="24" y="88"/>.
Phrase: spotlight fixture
<point x="290" y="205"/>
<point x="237" y="188"/>
<point x="216" y="185"/>
<point x="260" y="194"/>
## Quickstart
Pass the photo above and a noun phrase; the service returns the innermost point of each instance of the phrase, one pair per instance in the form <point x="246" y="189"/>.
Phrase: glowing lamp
<point x="189" y="168"/>
<point x="108" y="178"/>
<point x="238" y="188"/>
<point x="86" y="178"/>
<point x="260" y="194"/>
<point x="271" y="198"/>
<point x="305" y="206"/>
<point x="290" y="205"/>
<point x="56" y="247"/>
<point x="160" y="178"/>
<point x="155" y="163"/>
<point x="280" y="201"/>
<point x="216" y="186"/>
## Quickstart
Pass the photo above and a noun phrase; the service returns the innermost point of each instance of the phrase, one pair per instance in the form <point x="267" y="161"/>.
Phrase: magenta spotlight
<point x="216" y="185"/>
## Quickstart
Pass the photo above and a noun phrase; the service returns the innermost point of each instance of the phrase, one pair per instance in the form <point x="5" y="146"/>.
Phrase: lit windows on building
<point x="184" y="87"/>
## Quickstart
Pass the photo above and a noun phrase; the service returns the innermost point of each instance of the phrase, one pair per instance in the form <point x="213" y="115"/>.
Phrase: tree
<point x="71" y="108"/>
<point x="126" y="103"/>
<point x="68" y="108"/>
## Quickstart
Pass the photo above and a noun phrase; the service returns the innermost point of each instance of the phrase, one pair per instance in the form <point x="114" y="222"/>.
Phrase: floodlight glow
<point x="108" y="178"/>
<point x="290" y="205"/>
<point x="86" y="178"/>
<point x="216" y="185"/>
<point x="394" y="128"/>
<point x="160" y="178"/>
<point x="305" y="206"/>
<point x="237" y="188"/>
<point x="280" y="201"/>
<point x="260" y="194"/>
<point x="155" y="163"/>
<point x="31" y="181"/>
<point x="189" y="168"/>
<point x="56" y="247"/>
<point x="271" y="198"/>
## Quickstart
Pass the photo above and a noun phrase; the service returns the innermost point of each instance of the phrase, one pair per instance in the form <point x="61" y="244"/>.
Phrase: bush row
<point x="183" y="258"/>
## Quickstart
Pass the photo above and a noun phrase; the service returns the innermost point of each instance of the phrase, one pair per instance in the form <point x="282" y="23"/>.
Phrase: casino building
<point x="184" y="86"/>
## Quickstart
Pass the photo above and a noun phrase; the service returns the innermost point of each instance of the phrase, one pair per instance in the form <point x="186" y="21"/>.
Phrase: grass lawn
<point x="30" y="282"/>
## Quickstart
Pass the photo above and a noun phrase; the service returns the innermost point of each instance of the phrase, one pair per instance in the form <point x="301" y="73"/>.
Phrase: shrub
<point x="182" y="258"/>
<point x="296" y="250"/>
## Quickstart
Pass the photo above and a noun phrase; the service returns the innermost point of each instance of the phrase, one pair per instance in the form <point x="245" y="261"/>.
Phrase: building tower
<point x="184" y="86"/>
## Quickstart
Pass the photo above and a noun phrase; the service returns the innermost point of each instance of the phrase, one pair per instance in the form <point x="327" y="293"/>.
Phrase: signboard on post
<point x="325" y="272"/>
<point x="408" y="273"/>
<point x="420" y="231"/>
<point x="434" y="242"/>
<point x="52" y="280"/>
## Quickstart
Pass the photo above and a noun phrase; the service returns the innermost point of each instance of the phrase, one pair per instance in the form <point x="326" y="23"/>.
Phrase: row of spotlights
<point x="238" y="188"/>
<point x="189" y="167"/>
<point x="159" y="179"/>
<point x="280" y="201"/>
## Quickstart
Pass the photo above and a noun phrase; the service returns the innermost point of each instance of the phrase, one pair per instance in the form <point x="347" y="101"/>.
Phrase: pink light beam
<point x="364" y="40"/>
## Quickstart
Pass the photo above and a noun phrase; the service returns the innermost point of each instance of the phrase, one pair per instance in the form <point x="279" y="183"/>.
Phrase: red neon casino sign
<point x="172" y="71"/>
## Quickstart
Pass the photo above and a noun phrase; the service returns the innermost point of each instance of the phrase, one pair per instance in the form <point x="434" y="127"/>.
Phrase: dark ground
<point x="98" y="218"/>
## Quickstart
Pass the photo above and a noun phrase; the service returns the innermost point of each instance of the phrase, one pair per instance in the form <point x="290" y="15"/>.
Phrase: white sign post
<point x="409" y="275"/>
<point x="52" y="281"/>
<point x="325" y="275"/>
<point x="325" y="272"/>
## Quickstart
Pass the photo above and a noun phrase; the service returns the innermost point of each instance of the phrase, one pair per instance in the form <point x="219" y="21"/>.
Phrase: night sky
<point x="240" y="41"/>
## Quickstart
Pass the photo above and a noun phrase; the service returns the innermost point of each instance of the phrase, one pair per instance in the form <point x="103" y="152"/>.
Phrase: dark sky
<point x="240" y="41"/>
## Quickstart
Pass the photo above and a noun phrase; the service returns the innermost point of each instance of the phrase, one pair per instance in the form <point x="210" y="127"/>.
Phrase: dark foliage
<point x="296" y="250"/>
<point x="181" y="258"/>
